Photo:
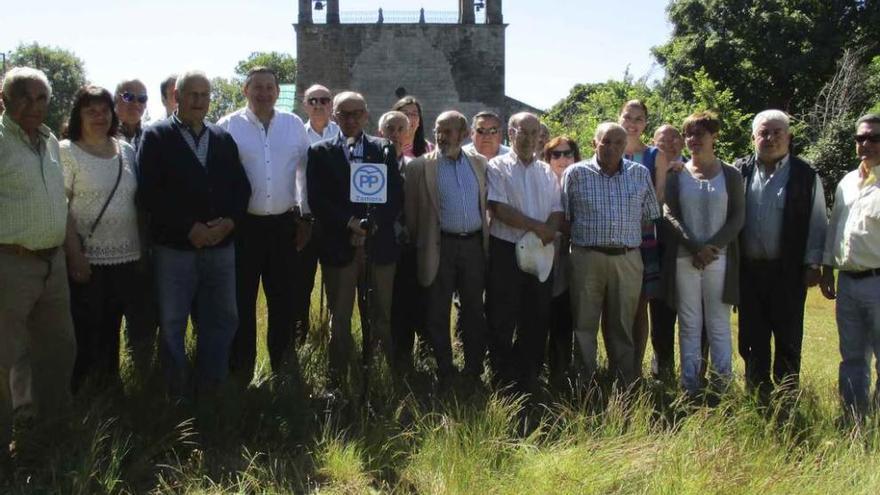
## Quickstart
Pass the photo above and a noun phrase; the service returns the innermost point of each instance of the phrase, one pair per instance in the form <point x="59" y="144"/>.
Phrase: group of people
<point x="538" y="248"/>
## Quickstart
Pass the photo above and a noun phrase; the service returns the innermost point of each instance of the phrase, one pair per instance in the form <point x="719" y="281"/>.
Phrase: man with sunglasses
<point x="272" y="145"/>
<point x="486" y="134"/>
<point x="852" y="246"/>
<point x="131" y="103"/>
<point x="782" y="243"/>
<point x="346" y="226"/>
<point x="318" y="106"/>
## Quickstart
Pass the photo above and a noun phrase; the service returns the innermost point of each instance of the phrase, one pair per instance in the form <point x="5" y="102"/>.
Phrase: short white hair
<point x="188" y="75"/>
<point x="392" y="115"/>
<point x="128" y="81"/>
<point x="604" y="127"/>
<point x="348" y="96"/>
<point x="770" y="116"/>
<point x="17" y="76"/>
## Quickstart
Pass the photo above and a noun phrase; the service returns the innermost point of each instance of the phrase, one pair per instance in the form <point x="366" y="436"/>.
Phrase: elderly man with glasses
<point x="486" y="134"/>
<point x="346" y="230"/>
<point x="318" y="105"/>
<point x="37" y="345"/>
<point x="782" y="243"/>
<point x="852" y="246"/>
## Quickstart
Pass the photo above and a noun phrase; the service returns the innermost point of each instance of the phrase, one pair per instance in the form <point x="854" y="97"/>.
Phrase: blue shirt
<point x="765" y="203"/>
<point x="608" y="211"/>
<point x="198" y="143"/>
<point x="459" y="195"/>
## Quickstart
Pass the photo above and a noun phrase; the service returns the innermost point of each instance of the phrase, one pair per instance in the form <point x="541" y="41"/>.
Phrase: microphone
<point x="351" y="142"/>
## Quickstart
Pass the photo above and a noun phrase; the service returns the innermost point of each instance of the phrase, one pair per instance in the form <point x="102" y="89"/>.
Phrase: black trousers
<point x="264" y="249"/>
<point x="560" y="343"/>
<point x="518" y="309"/>
<point x="408" y="310"/>
<point x="462" y="268"/>
<point x="771" y="305"/>
<point x="97" y="307"/>
<point x="304" y="280"/>
<point x="663" y="336"/>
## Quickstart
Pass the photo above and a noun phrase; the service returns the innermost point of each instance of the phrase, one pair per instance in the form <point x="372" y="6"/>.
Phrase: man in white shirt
<point x="272" y="146"/>
<point x="524" y="196"/>
<point x="318" y="104"/>
<point x="852" y="245"/>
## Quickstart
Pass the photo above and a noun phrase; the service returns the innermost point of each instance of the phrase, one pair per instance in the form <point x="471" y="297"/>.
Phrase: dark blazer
<point x="176" y="191"/>
<point x="328" y="180"/>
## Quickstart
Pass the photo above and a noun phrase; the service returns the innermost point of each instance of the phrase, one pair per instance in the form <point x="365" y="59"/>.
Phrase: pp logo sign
<point x="369" y="183"/>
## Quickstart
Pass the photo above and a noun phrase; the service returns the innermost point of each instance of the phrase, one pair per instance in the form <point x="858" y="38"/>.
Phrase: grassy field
<point x="280" y="436"/>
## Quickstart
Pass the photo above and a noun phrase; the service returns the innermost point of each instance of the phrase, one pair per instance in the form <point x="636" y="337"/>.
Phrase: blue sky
<point x="551" y="44"/>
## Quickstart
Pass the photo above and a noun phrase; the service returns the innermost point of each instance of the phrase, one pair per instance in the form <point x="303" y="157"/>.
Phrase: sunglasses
<point x="491" y="131"/>
<point x="131" y="97"/>
<point x="316" y="100"/>
<point x="559" y="154"/>
<point x="863" y="138"/>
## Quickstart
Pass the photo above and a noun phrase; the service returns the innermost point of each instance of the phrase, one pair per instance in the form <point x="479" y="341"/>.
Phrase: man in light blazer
<point x="445" y="209"/>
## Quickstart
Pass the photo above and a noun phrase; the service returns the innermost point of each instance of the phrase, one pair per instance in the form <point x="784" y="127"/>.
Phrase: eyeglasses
<point x="559" y="154"/>
<point x="315" y="100"/>
<point x="354" y="114"/>
<point x="863" y="138"/>
<point x="483" y="131"/>
<point x="129" y="97"/>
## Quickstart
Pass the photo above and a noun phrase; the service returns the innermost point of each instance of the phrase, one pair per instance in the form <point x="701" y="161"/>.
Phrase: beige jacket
<point x="422" y="209"/>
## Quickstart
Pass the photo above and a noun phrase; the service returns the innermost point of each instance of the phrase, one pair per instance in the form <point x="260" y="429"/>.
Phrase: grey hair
<point x="868" y="118"/>
<point x="486" y="114"/>
<point x="314" y="87"/>
<point x="188" y="75"/>
<point x="17" y="76"/>
<point x="346" y="96"/>
<point x="770" y="116"/>
<point x="604" y="127"/>
<point x="515" y="119"/>
<point x="389" y="116"/>
<point x="128" y="81"/>
<point x="454" y="115"/>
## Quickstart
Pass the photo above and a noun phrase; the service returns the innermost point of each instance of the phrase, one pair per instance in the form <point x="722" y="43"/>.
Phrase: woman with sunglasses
<point x="560" y="152"/>
<point x="103" y="247"/>
<point x="415" y="144"/>
<point x="131" y="103"/>
<point x="703" y="215"/>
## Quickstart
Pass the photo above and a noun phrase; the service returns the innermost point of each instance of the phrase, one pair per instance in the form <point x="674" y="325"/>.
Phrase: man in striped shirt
<point x="606" y="199"/>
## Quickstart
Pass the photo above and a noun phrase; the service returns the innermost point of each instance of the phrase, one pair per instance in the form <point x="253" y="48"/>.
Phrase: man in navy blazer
<point x="341" y="249"/>
<point x="194" y="190"/>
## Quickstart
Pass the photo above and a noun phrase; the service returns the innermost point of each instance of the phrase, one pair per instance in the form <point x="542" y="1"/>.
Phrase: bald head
<point x="524" y="130"/>
<point x="669" y="140"/>
<point x="350" y="110"/>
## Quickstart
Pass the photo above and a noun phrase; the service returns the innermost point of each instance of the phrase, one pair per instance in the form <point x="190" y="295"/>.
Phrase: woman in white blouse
<point x="107" y="278"/>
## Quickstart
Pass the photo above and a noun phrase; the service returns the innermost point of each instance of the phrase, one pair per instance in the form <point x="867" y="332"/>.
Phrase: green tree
<point x="66" y="73"/>
<point x="226" y="97"/>
<point x="769" y="53"/>
<point x="283" y="64"/>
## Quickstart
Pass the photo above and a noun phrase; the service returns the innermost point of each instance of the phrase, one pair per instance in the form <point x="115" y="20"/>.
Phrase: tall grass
<point x="280" y="435"/>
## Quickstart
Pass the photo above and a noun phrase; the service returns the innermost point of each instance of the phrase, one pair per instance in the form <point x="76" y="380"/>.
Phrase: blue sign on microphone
<point x="369" y="183"/>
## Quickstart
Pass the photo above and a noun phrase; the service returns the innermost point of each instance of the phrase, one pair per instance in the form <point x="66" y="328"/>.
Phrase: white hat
<point x="534" y="257"/>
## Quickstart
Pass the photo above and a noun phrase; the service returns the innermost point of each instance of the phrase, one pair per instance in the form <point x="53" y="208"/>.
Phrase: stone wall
<point x="445" y="66"/>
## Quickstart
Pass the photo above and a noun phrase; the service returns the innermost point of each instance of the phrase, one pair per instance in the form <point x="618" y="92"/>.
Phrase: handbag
<point x="106" y="203"/>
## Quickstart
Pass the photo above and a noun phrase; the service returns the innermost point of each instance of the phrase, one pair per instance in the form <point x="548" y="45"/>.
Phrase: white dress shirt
<point x="273" y="159"/>
<point x="532" y="189"/>
<point x="853" y="237"/>
<point x="331" y="130"/>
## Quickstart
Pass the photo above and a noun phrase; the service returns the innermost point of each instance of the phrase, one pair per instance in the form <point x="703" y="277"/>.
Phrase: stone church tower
<point x="446" y="65"/>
